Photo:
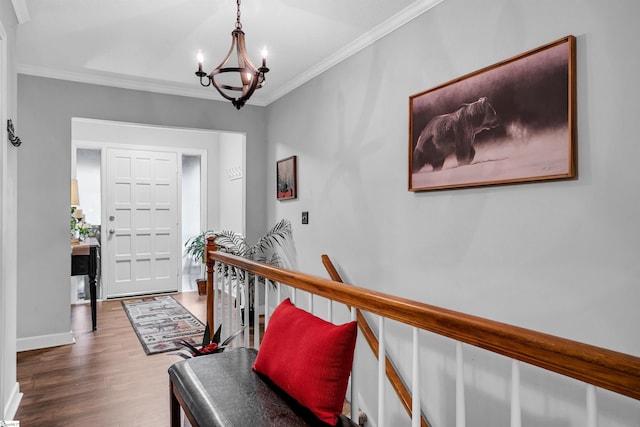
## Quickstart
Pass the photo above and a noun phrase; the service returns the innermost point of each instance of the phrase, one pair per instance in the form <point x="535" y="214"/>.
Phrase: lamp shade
<point x="75" y="198"/>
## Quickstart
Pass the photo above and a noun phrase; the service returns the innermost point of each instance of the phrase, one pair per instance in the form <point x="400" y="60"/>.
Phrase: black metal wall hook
<point x="12" y="135"/>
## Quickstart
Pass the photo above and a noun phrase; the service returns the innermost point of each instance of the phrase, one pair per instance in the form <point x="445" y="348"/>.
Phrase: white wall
<point x="558" y="257"/>
<point x="9" y="388"/>
<point x="231" y="188"/>
<point x="88" y="166"/>
<point x="191" y="195"/>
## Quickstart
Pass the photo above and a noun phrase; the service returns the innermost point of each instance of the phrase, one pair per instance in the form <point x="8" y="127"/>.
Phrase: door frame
<point x="10" y="395"/>
<point x="104" y="146"/>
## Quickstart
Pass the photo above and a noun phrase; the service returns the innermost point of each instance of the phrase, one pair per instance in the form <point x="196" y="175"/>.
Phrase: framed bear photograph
<point x="513" y="121"/>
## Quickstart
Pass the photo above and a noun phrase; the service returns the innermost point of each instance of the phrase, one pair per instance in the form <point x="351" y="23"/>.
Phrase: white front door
<point x="140" y="246"/>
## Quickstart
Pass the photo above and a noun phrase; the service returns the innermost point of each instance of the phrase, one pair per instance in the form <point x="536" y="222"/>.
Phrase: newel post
<point x="211" y="247"/>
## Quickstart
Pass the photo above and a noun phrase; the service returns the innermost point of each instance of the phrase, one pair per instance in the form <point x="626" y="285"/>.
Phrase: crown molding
<point x="21" y="10"/>
<point x="167" y="88"/>
<point x="396" y="21"/>
<point x="401" y="18"/>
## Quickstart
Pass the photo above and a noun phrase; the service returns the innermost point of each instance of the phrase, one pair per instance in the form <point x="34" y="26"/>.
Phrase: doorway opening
<point x="87" y="166"/>
<point x="204" y="198"/>
<point x="191" y="218"/>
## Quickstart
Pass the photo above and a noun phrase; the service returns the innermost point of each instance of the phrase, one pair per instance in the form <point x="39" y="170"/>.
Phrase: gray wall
<point x="46" y="107"/>
<point x="560" y="257"/>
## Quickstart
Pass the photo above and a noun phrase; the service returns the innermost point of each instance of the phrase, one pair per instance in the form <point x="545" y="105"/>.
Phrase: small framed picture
<point x="286" y="178"/>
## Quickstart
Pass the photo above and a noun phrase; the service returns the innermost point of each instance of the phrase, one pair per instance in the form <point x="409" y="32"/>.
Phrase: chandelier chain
<point x="238" y="24"/>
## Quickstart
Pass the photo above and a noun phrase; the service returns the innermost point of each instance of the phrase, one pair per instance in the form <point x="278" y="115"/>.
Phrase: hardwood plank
<point x="104" y="379"/>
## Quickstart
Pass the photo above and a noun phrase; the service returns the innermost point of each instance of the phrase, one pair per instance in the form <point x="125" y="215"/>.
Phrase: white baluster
<point x="460" y="406"/>
<point x="241" y="301"/>
<point x="293" y="296"/>
<point x="516" y="418"/>
<point x="267" y="287"/>
<point x="354" y="400"/>
<point x="229" y="302"/>
<point x="381" y="372"/>
<point x="279" y="292"/>
<point x="310" y="302"/>
<point x="592" y="406"/>
<point x="256" y="309"/>
<point x="224" y="302"/>
<point x="216" y="300"/>
<point x="247" y="304"/>
<point x="416" y="413"/>
<point x="330" y="310"/>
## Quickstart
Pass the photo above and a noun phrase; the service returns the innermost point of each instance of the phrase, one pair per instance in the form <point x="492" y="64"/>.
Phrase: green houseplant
<point x="194" y="248"/>
<point x="230" y="242"/>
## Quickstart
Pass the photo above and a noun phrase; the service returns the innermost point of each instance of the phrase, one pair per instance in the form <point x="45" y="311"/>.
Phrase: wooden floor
<point x="104" y="379"/>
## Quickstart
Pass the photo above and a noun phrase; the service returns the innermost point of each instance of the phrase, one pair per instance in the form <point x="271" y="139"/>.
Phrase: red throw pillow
<point x="309" y="358"/>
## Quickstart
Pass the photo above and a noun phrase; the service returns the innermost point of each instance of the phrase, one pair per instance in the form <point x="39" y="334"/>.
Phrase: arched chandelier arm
<point x="251" y="77"/>
<point x="228" y="55"/>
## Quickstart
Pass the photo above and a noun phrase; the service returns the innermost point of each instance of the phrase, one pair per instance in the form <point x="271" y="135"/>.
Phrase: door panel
<point x="141" y="244"/>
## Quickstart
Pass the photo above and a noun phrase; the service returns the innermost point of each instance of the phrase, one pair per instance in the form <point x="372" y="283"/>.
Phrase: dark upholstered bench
<point x="223" y="390"/>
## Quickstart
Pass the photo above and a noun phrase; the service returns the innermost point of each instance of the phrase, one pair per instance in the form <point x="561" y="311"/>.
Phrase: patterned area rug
<point x="161" y="322"/>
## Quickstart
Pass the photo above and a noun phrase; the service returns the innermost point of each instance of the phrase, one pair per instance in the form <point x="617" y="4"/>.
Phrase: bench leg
<point x="174" y="410"/>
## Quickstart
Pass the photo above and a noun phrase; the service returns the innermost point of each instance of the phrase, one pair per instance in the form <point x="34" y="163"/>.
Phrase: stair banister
<point x="601" y="367"/>
<point x="392" y="373"/>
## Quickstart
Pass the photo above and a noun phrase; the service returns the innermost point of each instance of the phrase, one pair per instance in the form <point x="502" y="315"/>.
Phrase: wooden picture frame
<point x="287" y="178"/>
<point x="513" y="121"/>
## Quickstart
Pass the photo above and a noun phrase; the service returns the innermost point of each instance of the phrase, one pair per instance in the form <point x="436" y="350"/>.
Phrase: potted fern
<point x="233" y="243"/>
<point x="261" y="251"/>
<point x="194" y="248"/>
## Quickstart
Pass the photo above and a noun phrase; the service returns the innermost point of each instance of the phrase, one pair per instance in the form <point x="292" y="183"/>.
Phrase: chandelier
<point x="245" y="78"/>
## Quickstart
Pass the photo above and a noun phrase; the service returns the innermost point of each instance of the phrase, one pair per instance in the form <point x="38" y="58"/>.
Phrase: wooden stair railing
<point x="395" y="379"/>
<point x="601" y="367"/>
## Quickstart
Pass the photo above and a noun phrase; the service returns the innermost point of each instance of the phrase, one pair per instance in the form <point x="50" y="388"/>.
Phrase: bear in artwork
<point x="453" y="133"/>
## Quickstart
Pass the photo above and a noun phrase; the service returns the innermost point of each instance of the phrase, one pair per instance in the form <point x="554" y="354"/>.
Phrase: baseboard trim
<point x="44" y="341"/>
<point x="12" y="403"/>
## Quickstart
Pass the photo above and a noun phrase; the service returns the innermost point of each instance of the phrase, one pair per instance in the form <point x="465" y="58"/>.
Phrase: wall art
<point x="287" y="178"/>
<point x="510" y="122"/>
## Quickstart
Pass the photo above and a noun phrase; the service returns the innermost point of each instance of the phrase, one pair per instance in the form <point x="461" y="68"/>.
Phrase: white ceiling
<point x="152" y="44"/>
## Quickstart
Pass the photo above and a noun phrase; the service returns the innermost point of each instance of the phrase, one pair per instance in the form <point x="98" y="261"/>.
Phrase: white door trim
<point x="103" y="147"/>
<point x="10" y="394"/>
